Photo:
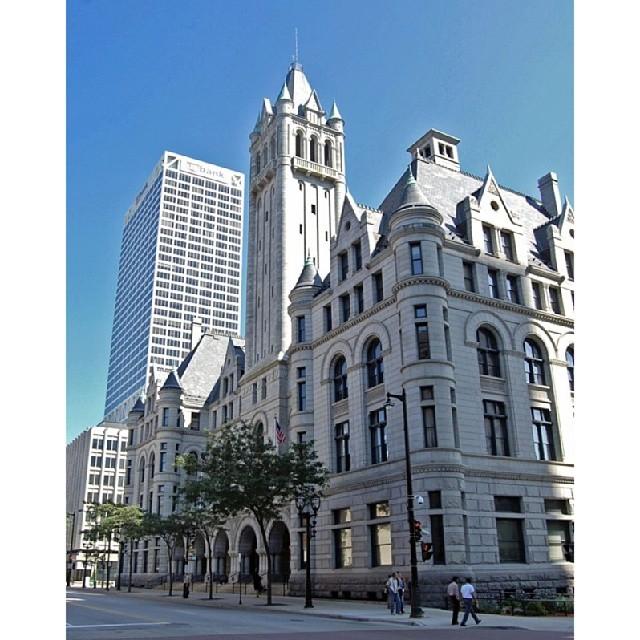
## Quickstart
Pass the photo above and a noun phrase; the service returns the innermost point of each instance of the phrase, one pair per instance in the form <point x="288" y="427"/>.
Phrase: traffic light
<point x="567" y="549"/>
<point x="417" y="530"/>
<point x="427" y="551"/>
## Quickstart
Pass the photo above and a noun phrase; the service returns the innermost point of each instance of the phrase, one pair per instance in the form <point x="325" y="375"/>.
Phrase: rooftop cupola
<point x="437" y="147"/>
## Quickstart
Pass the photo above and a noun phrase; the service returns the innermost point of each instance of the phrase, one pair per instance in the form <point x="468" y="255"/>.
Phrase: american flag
<point x="281" y="436"/>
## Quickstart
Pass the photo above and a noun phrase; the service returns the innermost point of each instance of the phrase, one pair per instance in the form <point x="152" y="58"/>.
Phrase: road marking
<point x="123" y="624"/>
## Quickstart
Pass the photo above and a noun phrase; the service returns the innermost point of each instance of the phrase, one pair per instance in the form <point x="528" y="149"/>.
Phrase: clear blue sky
<point x="148" y="75"/>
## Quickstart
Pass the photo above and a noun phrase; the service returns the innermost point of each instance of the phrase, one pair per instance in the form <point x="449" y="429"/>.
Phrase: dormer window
<point x="487" y="234"/>
<point x="506" y="241"/>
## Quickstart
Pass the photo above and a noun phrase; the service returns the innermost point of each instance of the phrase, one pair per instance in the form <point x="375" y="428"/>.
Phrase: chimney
<point x="550" y="194"/>
<point x="196" y="331"/>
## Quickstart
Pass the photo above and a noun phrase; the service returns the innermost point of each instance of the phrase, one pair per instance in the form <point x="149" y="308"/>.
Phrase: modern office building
<point x="179" y="265"/>
<point x="96" y="468"/>
<point x="455" y="296"/>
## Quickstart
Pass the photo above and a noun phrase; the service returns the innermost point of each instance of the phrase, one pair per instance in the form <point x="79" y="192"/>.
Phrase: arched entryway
<point x="221" y="559"/>
<point x="248" y="550"/>
<point x="280" y="548"/>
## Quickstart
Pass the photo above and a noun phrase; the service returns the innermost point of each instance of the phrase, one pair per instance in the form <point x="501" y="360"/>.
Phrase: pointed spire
<point x="284" y="94"/>
<point x="334" y="114"/>
<point x="412" y="195"/>
<point x="138" y="407"/>
<point x="309" y="274"/>
<point x="172" y="381"/>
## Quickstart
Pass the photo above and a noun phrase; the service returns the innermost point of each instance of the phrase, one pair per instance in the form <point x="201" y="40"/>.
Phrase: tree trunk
<point x="263" y="533"/>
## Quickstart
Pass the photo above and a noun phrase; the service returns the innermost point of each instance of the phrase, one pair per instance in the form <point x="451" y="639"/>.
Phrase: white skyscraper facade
<point x="179" y="272"/>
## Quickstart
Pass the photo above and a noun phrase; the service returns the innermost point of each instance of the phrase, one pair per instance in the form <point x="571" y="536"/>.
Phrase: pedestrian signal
<point x="417" y="529"/>
<point x="427" y="551"/>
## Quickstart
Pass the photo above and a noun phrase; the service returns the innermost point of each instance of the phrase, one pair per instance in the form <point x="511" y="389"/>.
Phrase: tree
<point x="207" y="521"/>
<point x="241" y="471"/>
<point x="172" y="529"/>
<point x="111" y="520"/>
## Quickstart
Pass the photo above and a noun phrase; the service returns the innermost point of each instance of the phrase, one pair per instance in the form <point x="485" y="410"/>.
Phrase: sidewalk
<point x="361" y="610"/>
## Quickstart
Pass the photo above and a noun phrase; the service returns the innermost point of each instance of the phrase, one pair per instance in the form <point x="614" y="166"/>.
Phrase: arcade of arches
<point x="249" y="559"/>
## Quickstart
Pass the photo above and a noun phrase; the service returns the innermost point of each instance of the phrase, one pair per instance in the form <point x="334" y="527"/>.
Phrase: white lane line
<point x="123" y="624"/>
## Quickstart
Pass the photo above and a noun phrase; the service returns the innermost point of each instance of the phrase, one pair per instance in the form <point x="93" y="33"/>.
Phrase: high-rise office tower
<point x="179" y="272"/>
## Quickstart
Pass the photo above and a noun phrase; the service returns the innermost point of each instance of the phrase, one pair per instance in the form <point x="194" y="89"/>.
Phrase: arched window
<point x="328" y="154"/>
<point x="141" y="470"/>
<point x="258" y="162"/>
<point x="340" y="389"/>
<point x="313" y="149"/>
<point x="152" y="465"/>
<point x="568" y="356"/>
<point x="299" y="144"/>
<point x="375" y="367"/>
<point x="488" y="353"/>
<point x="260" y="431"/>
<point x="533" y="362"/>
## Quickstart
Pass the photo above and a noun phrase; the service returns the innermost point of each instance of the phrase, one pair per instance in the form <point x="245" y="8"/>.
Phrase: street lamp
<point x="117" y="537"/>
<point x="416" y="610"/>
<point x="87" y="547"/>
<point x="70" y="548"/>
<point x="308" y="505"/>
<point x="240" y="576"/>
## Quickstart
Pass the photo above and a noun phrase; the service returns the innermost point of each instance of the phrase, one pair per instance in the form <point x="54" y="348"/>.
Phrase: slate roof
<point x="199" y="371"/>
<point x="445" y="189"/>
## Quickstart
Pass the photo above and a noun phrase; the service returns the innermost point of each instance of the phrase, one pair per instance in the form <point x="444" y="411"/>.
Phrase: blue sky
<point x="148" y="75"/>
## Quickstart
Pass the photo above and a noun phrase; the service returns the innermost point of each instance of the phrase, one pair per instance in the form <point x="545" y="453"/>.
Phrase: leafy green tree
<point x="111" y="520"/>
<point x="207" y="521"/>
<point x="173" y="529"/>
<point x="242" y="471"/>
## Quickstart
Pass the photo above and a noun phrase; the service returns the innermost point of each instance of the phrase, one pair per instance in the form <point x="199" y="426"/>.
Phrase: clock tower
<point x="296" y="191"/>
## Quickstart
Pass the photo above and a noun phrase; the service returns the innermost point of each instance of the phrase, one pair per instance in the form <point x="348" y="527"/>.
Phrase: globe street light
<point x="416" y="610"/>
<point x="308" y="505"/>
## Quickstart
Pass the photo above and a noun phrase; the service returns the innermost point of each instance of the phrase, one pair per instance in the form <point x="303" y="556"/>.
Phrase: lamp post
<point x="118" y="540"/>
<point x="308" y="505"/>
<point x="86" y="548"/>
<point x="70" y="549"/>
<point x="240" y="576"/>
<point x="416" y="610"/>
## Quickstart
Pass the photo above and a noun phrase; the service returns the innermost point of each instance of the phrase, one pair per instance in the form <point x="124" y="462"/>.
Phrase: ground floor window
<point x="510" y="539"/>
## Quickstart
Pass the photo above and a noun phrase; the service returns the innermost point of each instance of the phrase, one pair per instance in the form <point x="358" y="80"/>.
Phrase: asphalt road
<point x="101" y="615"/>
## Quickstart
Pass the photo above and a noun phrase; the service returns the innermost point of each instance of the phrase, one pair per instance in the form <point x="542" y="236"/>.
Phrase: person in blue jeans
<point x="392" y="594"/>
<point x="468" y="595"/>
<point x="400" y="580"/>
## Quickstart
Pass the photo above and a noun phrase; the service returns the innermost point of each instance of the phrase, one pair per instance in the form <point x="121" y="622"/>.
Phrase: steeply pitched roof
<point x="199" y="371"/>
<point x="445" y="189"/>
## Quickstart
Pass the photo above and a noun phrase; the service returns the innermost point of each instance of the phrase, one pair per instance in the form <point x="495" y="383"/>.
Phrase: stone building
<point x="455" y="296"/>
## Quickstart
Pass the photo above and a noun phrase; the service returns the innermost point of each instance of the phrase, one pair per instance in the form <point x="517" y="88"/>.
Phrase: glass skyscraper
<point x="179" y="265"/>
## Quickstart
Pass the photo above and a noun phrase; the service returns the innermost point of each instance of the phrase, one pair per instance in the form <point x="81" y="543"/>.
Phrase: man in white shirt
<point x="468" y="594"/>
<point x="392" y="592"/>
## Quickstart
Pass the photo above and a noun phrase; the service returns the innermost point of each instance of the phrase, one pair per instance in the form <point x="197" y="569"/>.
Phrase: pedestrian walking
<point x="469" y="598"/>
<point x="453" y="596"/>
<point x="401" y="583"/>
<point x="392" y="593"/>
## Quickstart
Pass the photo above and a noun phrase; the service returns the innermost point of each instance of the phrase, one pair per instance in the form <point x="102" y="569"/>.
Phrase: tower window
<point x="328" y="153"/>
<point x="313" y="150"/>
<point x="299" y="144"/>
